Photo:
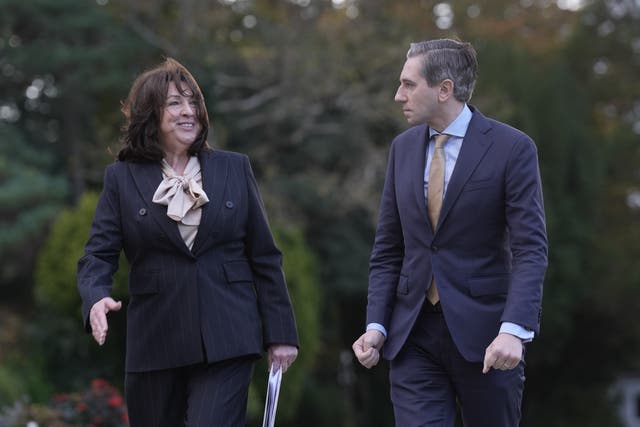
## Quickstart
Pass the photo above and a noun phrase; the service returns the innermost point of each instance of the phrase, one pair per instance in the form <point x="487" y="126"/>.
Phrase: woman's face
<point x="179" y="126"/>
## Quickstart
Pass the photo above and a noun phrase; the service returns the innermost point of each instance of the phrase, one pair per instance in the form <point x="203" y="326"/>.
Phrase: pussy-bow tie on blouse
<point x="182" y="194"/>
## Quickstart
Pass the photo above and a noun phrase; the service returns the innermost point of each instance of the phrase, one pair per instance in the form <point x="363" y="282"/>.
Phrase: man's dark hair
<point x="448" y="59"/>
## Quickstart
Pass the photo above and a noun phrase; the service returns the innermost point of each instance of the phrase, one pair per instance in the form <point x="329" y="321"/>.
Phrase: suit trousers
<point x="429" y="378"/>
<point x="193" y="396"/>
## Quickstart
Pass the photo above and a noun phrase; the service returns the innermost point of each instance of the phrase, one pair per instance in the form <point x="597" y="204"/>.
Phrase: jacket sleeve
<point x="102" y="251"/>
<point x="278" y="321"/>
<point x="385" y="263"/>
<point x="524" y="212"/>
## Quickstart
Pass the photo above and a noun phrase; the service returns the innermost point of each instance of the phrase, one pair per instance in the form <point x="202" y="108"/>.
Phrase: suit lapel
<point x="147" y="177"/>
<point x="214" y="170"/>
<point x="474" y="147"/>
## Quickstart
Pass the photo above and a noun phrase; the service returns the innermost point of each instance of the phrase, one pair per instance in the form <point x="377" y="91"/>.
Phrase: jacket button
<point x="142" y="211"/>
<point x="434" y="248"/>
<point x="229" y="204"/>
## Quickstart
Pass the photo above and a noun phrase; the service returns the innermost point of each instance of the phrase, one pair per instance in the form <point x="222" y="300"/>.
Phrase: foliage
<point x="72" y="358"/>
<point x="101" y="405"/>
<point x="30" y="196"/>
<point x="56" y="266"/>
<point x="62" y="63"/>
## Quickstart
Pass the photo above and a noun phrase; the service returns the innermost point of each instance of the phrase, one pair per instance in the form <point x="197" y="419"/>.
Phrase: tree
<point x="65" y="65"/>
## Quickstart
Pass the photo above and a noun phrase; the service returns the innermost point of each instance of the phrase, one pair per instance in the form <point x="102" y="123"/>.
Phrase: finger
<point x="512" y="365"/>
<point x="111" y="305"/>
<point x="371" y="358"/>
<point x="357" y="347"/>
<point x="489" y="360"/>
<point x="103" y="325"/>
<point x="99" y="336"/>
<point x="363" y="356"/>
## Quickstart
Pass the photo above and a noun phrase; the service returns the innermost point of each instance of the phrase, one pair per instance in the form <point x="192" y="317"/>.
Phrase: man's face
<point x="419" y="101"/>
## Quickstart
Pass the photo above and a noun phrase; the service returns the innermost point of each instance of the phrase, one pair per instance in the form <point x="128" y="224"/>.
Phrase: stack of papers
<point x="271" y="401"/>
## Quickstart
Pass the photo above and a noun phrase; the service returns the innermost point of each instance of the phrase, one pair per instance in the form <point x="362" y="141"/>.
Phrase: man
<point x="460" y="252"/>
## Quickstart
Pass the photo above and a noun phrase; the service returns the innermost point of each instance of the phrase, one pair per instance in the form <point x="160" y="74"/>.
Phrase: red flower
<point x="99" y="383"/>
<point x="115" y="401"/>
<point x="60" y="397"/>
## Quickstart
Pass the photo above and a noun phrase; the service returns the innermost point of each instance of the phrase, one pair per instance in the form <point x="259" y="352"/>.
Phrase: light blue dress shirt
<point x="456" y="131"/>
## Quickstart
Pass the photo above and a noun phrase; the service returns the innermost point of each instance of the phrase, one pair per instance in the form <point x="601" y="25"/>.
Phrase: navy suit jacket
<point x="488" y="253"/>
<point x="224" y="298"/>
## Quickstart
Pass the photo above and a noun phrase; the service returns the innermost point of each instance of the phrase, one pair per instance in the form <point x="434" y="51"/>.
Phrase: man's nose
<point x="400" y="96"/>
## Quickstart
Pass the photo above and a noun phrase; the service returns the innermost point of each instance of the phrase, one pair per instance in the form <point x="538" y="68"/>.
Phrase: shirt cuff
<point x="377" y="327"/>
<point x="526" y="335"/>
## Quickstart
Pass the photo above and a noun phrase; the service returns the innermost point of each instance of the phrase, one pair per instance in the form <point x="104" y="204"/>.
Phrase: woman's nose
<point x="187" y="108"/>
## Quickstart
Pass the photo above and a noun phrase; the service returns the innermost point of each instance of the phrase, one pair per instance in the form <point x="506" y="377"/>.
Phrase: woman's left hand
<point x="282" y="356"/>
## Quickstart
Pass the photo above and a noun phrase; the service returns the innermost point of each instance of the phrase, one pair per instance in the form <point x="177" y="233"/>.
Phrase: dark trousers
<point x="429" y="378"/>
<point x="193" y="396"/>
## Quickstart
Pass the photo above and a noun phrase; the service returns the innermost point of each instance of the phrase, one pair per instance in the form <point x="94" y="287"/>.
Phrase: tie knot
<point x="440" y="139"/>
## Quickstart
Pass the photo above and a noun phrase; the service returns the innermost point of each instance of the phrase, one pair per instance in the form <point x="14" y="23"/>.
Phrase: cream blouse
<point x="183" y="195"/>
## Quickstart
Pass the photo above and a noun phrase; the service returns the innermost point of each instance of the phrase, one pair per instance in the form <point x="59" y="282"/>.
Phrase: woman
<point x="206" y="287"/>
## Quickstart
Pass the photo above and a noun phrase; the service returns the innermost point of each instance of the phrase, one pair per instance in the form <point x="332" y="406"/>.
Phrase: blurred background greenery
<point x="305" y="87"/>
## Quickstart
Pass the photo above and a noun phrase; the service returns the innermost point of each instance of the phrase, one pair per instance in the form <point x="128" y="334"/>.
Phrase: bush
<point x="56" y="268"/>
<point x="101" y="405"/>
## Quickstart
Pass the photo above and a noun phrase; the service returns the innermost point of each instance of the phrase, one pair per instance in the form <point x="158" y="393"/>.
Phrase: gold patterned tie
<point x="435" y="194"/>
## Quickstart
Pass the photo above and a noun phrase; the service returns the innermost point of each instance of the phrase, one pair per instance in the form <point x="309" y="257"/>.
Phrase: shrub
<point x="101" y="405"/>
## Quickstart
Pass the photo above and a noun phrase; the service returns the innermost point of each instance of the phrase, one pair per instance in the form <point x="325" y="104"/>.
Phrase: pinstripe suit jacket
<point x="224" y="298"/>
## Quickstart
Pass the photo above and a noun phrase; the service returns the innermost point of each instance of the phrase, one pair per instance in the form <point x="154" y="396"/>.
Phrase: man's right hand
<point x="98" y="317"/>
<point x="367" y="348"/>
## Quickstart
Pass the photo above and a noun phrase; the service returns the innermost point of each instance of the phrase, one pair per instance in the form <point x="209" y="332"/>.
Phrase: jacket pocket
<point x="144" y="283"/>
<point x="479" y="184"/>
<point x="403" y="285"/>
<point x="490" y="285"/>
<point x="238" y="272"/>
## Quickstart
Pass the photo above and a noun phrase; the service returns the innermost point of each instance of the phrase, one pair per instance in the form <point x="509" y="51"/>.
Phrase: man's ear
<point x="446" y="90"/>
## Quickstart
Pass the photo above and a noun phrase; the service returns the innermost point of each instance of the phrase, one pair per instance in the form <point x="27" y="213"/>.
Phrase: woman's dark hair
<point x="144" y="107"/>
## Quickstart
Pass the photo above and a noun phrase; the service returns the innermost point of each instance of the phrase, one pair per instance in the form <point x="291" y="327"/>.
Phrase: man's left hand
<point x="505" y="352"/>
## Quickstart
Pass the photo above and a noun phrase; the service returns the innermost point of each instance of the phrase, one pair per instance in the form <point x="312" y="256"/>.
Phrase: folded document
<point x="271" y="402"/>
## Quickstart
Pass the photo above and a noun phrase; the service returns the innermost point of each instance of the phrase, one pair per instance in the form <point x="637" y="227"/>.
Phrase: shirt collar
<point x="458" y="127"/>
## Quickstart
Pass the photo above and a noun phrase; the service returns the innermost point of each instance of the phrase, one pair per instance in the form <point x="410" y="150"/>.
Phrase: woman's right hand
<point x="98" y="317"/>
